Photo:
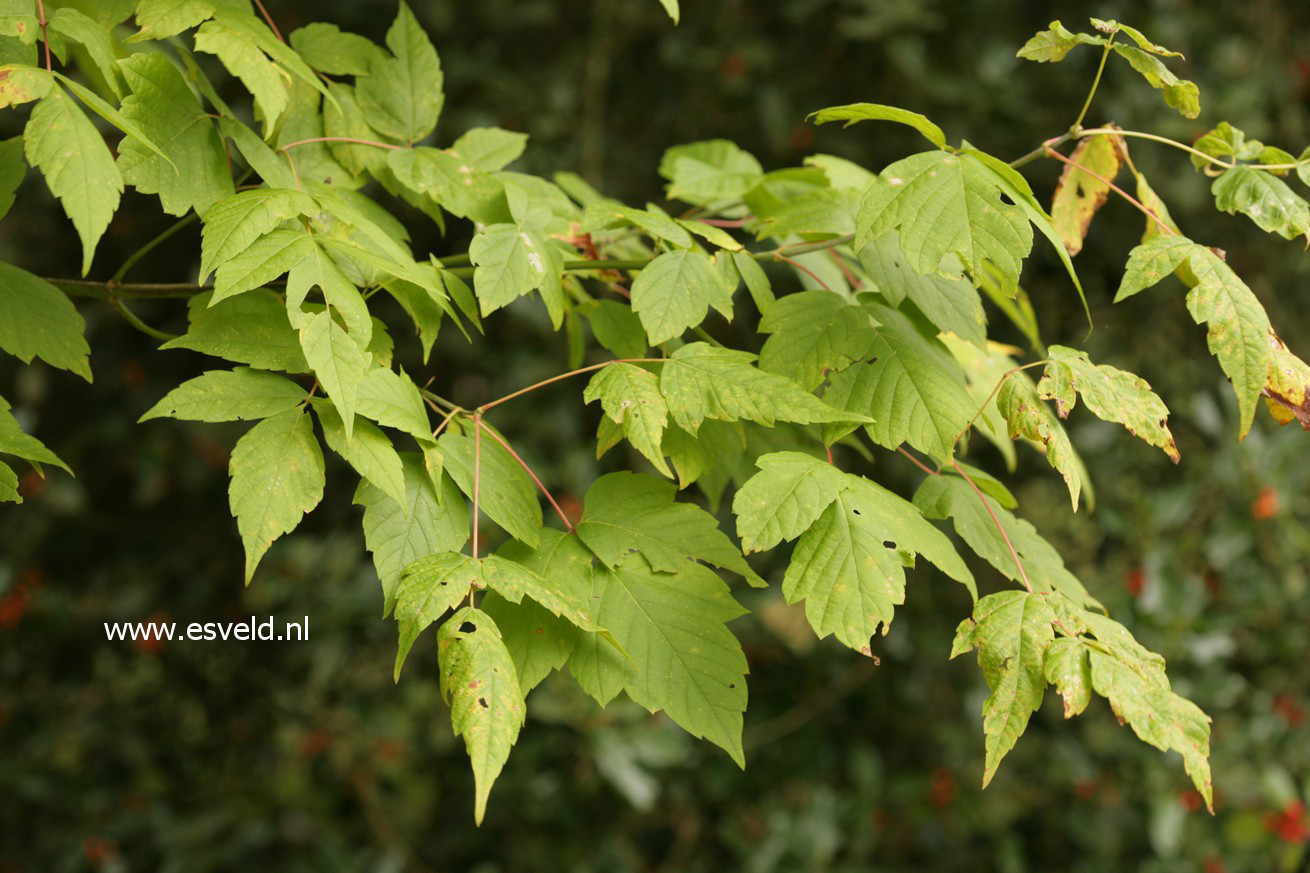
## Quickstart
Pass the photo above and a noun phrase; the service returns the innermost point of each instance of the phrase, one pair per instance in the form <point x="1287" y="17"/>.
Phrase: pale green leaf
<point x="1028" y="417"/>
<point x="1110" y="393"/>
<point x="1067" y="668"/>
<point x="510" y="261"/>
<point x="856" y="112"/>
<point x="631" y="398"/>
<point x="627" y="512"/>
<point x="505" y="491"/>
<point x="427" y="589"/>
<point x="514" y="581"/>
<point x="486" y="701"/>
<point x="77" y="165"/>
<point x="1052" y="44"/>
<point x="244" y="58"/>
<point x="813" y="333"/>
<point x="367" y="450"/>
<point x="249" y="329"/>
<point x="489" y="148"/>
<point x="163" y="106"/>
<point x="1237" y="325"/>
<point x="1011" y="631"/>
<point x="1178" y="93"/>
<point x="951" y="304"/>
<point x="675" y="291"/>
<point x="784" y="499"/>
<point x="392" y="399"/>
<point x="39" y="321"/>
<point x="338" y="363"/>
<point x="13" y="441"/>
<point x="430" y="520"/>
<point x="318" y="270"/>
<point x="78" y="27"/>
<point x="1263" y="198"/>
<point x="277" y="477"/>
<point x="234" y="223"/>
<point x="617" y="328"/>
<point x="328" y="49"/>
<point x="671" y="7"/>
<point x="910" y="386"/>
<point x="681" y="656"/>
<point x="264" y="260"/>
<point x="944" y="204"/>
<point x="402" y="96"/>
<point x="21" y="84"/>
<point x="709" y="171"/>
<point x="756" y="280"/>
<point x="242" y="394"/>
<point x="539" y="643"/>
<point x="701" y="381"/>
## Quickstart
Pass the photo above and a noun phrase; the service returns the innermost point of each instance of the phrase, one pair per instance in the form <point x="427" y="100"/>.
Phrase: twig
<point x="1023" y="574"/>
<point x="132" y="319"/>
<point x="272" y="24"/>
<point x="544" y="382"/>
<point x="524" y="464"/>
<point x="916" y="462"/>
<point x="1164" y="228"/>
<point x="45" y="35"/>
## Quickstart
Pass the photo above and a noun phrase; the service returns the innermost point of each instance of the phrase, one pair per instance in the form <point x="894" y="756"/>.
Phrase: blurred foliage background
<point x="305" y="757"/>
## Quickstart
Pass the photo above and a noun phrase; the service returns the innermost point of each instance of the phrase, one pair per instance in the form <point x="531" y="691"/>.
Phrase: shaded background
<point x="227" y="756"/>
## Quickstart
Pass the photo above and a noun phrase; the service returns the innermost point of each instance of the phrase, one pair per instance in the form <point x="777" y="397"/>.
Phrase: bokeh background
<point x="306" y="757"/>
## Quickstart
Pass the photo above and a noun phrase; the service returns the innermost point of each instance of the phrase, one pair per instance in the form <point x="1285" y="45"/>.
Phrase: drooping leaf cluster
<point x="876" y="338"/>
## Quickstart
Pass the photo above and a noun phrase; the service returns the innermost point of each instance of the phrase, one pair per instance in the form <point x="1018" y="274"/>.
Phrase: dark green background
<point x="265" y="756"/>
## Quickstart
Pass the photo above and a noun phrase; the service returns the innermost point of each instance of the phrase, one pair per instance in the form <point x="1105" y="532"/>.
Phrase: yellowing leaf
<point x="1079" y="194"/>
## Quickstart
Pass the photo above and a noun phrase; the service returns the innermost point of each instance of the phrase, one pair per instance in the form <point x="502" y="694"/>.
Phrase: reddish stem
<point x="477" y="480"/>
<point x="916" y="462"/>
<point x="269" y="19"/>
<point x="544" y="382"/>
<point x="45" y="36"/>
<point x="1164" y="228"/>
<point x="524" y="464"/>
<point x="726" y="222"/>
<point x="828" y="449"/>
<point x="851" y="278"/>
<point x="346" y="139"/>
<point x="804" y="269"/>
<point x="1023" y="575"/>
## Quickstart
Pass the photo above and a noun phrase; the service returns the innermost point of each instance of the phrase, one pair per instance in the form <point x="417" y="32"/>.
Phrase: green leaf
<point x="631" y="398"/>
<point x="13" y="441"/>
<point x="1028" y="417"/>
<point x="701" y="381"/>
<point x="392" y="399"/>
<point x="163" y="106"/>
<point x="9" y="485"/>
<point x="626" y="512"/>
<point x="951" y="304"/>
<point x="267" y="258"/>
<point x="538" y="642"/>
<point x="505" y="491"/>
<point x="709" y="171"/>
<point x="328" y="49"/>
<point x="675" y="291"/>
<point x="318" y="270"/>
<point x="78" y="27"/>
<point x="160" y="19"/>
<point x="249" y="329"/>
<point x="1263" y="198"/>
<point x="1052" y="44"/>
<point x="950" y="497"/>
<point x="514" y="581"/>
<point x="682" y="657"/>
<point x="1238" y="327"/>
<point x="1229" y="142"/>
<point x="671" y="7"/>
<point x="856" y="112"/>
<point x="784" y="499"/>
<point x="402" y="97"/>
<point x="813" y="333"/>
<point x="21" y="84"/>
<point x="489" y="148"/>
<point x="1079" y="195"/>
<point x="427" y="589"/>
<point x="1111" y="394"/>
<point x="1178" y="93"/>
<point x="244" y="58"/>
<point x="430" y="520"/>
<point x="13" y="169"/>
<point x="277" y="477"/>
<point x="945" y="204"/>
<point x="1011" y="631"/>
<point x="236" y="222"/>
<point x="367" y="450"/>
<point x="40" y="322"/>
<point x="78" y="168"/>
<point x="486" y="701"/>
<point x="242" y="394"/>
<point x="604" y="214"/>
<point x="338" y="363"/>
<point x="909" y="385"/>
<point x="757" y="281"/>
<point x="1067" y="668"/>
<point x="510" y="261"/>
<point x="617" y="328"/>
